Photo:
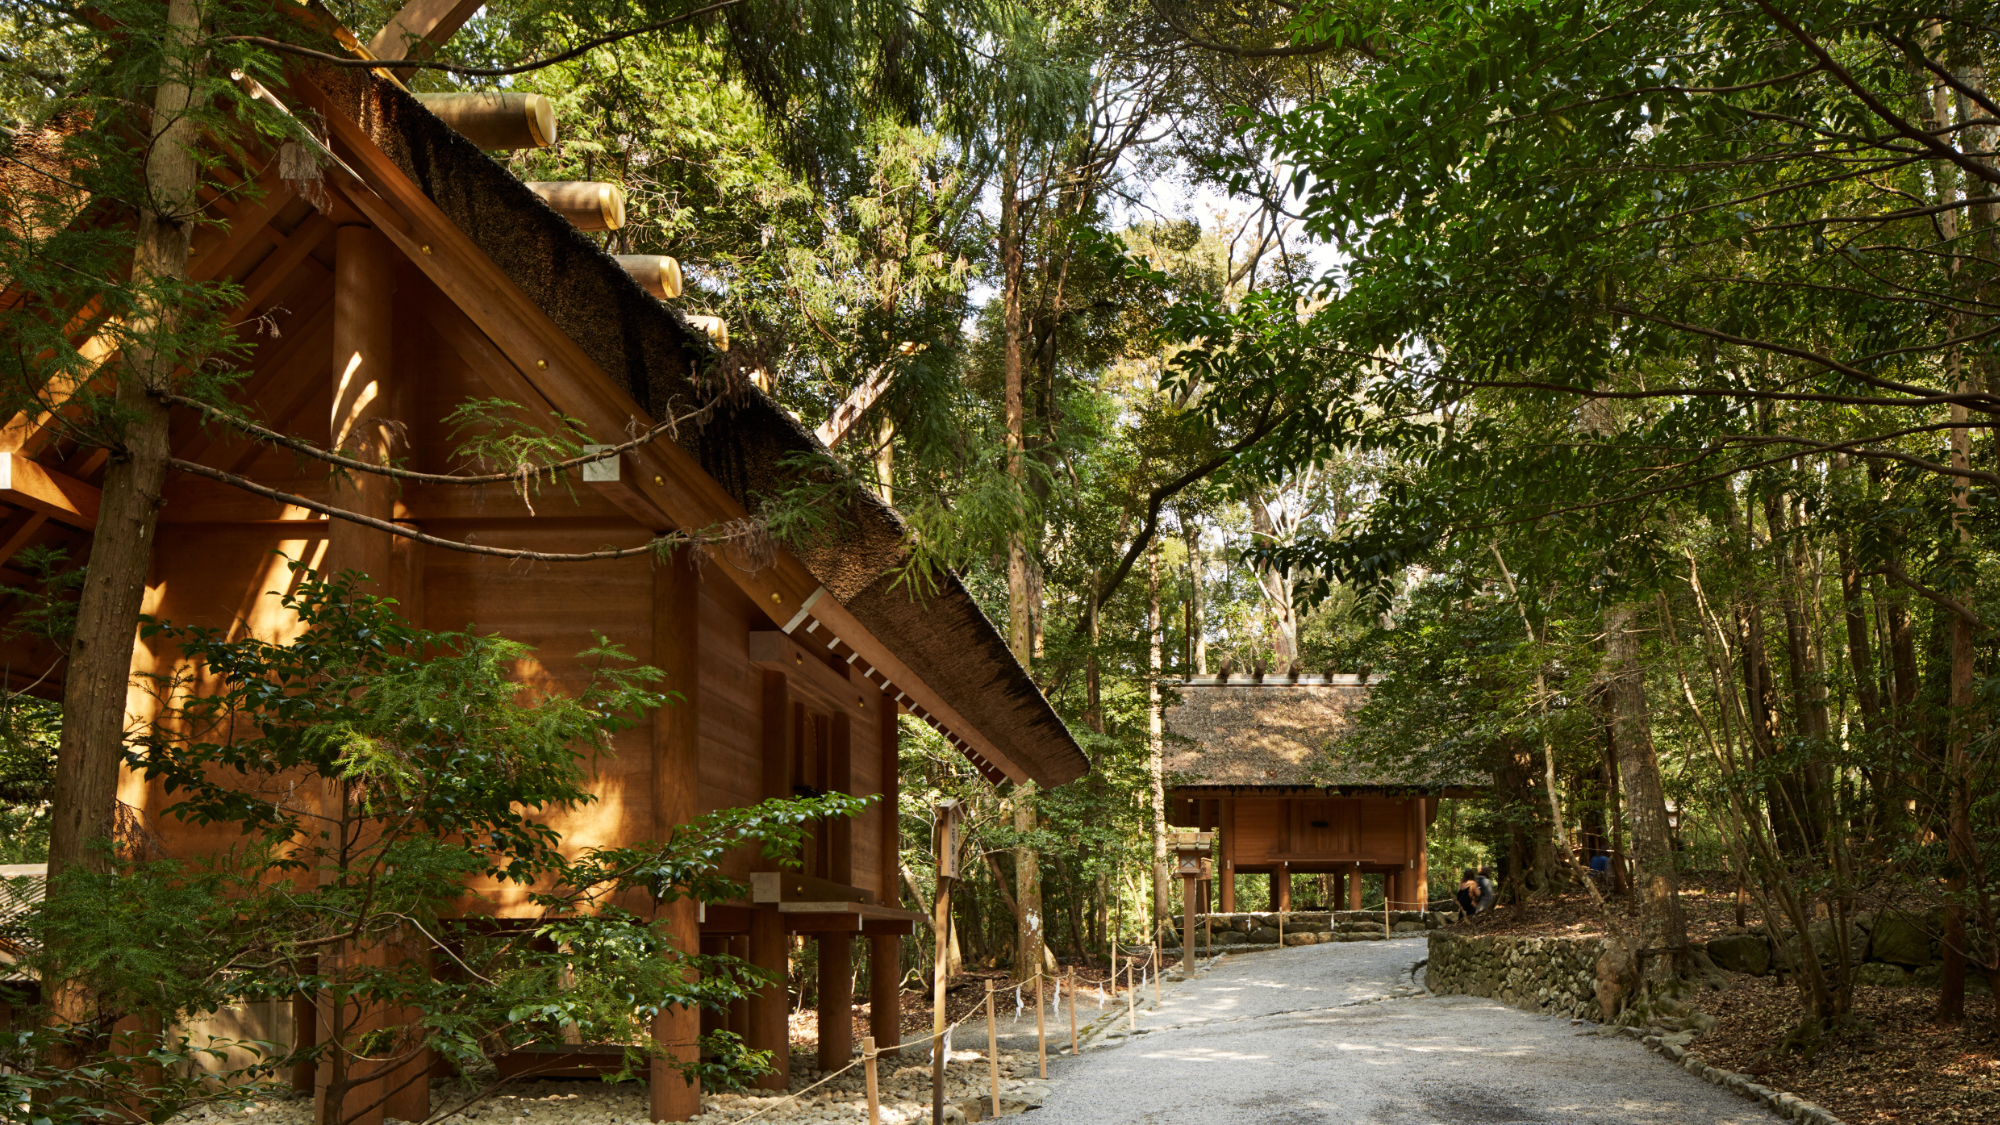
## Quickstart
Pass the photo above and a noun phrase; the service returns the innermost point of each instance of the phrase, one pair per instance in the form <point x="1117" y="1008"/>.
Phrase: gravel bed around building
<point x="905" y="1098"/>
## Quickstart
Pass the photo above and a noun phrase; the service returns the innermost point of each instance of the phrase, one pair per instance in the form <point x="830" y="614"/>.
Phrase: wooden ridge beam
<point x="420" y="29"/>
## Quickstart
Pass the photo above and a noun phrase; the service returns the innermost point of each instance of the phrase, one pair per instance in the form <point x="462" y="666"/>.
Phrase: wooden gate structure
<point x="1252" y="760"/>
<point x="415" y="273"/>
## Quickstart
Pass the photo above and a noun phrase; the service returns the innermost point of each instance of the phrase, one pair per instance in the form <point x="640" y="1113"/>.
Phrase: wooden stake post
<point x="874" y="1087"/>
<point x="944" y="841"/>
<point x="992" y="1049"/>
<point x="1041" y="1031"/>
<point x="1072" y="1011"/>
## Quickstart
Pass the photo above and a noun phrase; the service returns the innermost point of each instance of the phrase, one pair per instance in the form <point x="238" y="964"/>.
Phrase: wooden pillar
<point x="1420" y="890"/>
<point x="1339" y="891"/>
<point x="362" y="390"/>
<point x="365" y="398"/>
<point x="885" y="951"/>
<point x="1228" y="867"/>
<point x="676" y="753"/>
<point x="770" y="1005"/>
<point x="836" y="1000"/>
<point x="1188" y="939"/>
<point x="712" y="1021"/>
<point x="1354" y="888"/>
<point x="1281" y="883"/>
<point x="739" y="1010"/>
<point x="836" y="951"/>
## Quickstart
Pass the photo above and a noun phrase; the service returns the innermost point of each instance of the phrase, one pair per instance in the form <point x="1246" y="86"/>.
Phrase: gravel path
<point x="1329" y="1034"/>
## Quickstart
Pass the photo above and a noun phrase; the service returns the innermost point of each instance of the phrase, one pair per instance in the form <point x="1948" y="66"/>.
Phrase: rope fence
<point x="1147" y="971"/>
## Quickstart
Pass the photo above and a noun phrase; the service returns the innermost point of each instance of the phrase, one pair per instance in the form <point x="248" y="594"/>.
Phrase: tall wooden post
<point x="739" y="1010"/>
<point x="944" y="839"/>
<point x="364" y="396"/>
<point x="836" y="1000"/>
<point x="885" y="951"/>
<point x="836" y="951"/>
<point x="1188" y="882"/>
<point x="1339" y="890"/>
<point x="1354" y="888"/>
<point x="363" y="386"/>
<point x="676" y="756"/>
<point x="770" y="1005"/>
<point x="1227" y="867"/>
<point x="1282" y="879"/>
<point x="1424" y="805"/>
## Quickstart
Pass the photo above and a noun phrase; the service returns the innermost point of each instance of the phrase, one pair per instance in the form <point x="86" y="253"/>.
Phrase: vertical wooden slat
<point x="1228" y="872"/>
<point x="676" y="758"/>
<point x="364" y="320"/>
<point x="364" y="394"/>
<point x="769" y="1005"/>
<point x="836" y="951"/>
<point x="885" y="951"/>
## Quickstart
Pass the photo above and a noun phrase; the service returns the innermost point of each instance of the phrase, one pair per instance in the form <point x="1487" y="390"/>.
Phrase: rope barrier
<point x="1020" y="1005"/>
<point x="949" y="1028"/>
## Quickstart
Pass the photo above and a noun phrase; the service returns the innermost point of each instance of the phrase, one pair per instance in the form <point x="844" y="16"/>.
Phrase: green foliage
<point x="382" y="793"/>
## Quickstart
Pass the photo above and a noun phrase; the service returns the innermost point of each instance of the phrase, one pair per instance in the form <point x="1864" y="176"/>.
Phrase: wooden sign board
<point x="945" y="837"/>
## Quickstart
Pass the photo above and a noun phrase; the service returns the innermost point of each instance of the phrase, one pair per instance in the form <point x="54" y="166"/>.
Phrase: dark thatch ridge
<point x="649" y="348"/>
<point x="1276" y="735"/>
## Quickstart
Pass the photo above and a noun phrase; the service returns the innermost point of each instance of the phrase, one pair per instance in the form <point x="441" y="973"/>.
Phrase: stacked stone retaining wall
<point x="1305" y="927"/>
<point x="1557" y="976"/>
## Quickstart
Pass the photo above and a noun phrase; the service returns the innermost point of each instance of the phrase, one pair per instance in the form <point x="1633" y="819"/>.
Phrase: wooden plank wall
<point x="214" y="565"/>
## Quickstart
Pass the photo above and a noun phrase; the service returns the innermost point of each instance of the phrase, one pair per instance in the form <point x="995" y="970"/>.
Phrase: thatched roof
<point x="650" y="350"/>
<point x="1272" y="733"/>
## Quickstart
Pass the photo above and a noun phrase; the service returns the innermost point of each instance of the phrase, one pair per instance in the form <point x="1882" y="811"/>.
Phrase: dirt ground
<point x="1898" y="1066"/>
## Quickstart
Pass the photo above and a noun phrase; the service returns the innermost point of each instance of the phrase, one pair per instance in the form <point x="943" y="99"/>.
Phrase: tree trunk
<point x="85" y="802"/>
<point x="1028" y="939"/>
<point x="1662" y="929"/>
<point x="1020" y="631"/>
<point x="1093" y="676"/>
<point x="1155" y="737"/>
<point x="1197" y="609"/>
<point x="1277" y="588"/>
<point x="1808" y="709"/>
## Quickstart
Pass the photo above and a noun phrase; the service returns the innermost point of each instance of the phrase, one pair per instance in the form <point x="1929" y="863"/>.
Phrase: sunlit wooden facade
<point x="417" y="273"/>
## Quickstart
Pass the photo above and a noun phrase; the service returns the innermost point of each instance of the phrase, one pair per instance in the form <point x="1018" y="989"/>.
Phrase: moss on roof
<point x="1279" y="733"/>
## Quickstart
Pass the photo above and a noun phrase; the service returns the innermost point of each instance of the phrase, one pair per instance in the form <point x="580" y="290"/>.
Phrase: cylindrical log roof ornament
<point x="496" y="121"/>
<point x="656" y="273"/>
<point x="714" y="327"/>
<point x="586" y="203"/>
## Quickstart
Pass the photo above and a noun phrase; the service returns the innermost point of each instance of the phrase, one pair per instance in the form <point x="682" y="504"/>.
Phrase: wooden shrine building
<point x="417" y="272"/>
<point x="1252" y="759"/>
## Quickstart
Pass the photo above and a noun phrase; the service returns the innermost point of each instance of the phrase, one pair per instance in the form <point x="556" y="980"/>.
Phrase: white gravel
<point x="1337" y="1034"/>
<point x="905" y="1098"/>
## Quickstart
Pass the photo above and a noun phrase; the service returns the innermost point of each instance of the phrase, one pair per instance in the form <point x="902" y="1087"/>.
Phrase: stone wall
<point x="1889" y="947"/>
<point x="1553" y="975"/>
<point x="1305" y="927"/>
